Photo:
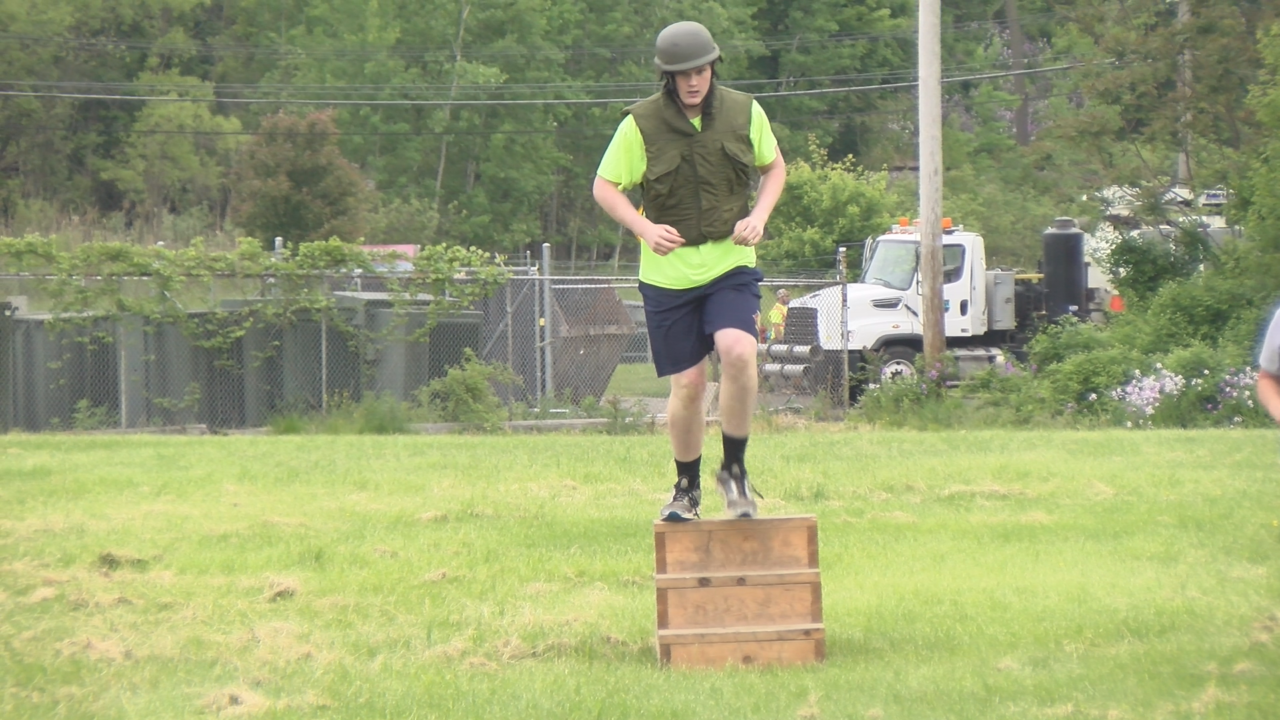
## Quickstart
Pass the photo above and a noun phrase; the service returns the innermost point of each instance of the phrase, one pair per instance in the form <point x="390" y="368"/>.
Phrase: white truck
<point x="988" y="311"/>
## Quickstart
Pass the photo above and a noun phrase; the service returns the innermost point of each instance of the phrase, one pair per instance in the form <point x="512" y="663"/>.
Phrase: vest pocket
<point x="660" y="172"/>
<point x="742" y="160"/>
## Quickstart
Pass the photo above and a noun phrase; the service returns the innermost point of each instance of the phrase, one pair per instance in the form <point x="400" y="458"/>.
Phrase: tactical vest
<point x="697" y="182"/>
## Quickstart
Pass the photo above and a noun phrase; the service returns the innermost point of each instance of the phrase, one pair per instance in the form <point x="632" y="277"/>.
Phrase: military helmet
<point x="684" y="46"/>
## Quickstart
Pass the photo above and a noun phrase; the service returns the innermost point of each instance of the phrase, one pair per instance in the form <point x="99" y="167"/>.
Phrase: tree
<point x="178" y="154"/>
<point x="292" y="181"/>
<point x="827" y="204"/>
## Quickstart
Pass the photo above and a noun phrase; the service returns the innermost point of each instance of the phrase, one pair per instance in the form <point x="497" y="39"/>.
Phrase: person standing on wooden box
<point x="694" y="149"/>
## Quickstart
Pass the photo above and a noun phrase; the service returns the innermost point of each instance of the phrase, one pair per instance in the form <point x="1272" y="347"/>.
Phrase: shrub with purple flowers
<point x="1143" y="395"/>
<point x="1208" y="399"/>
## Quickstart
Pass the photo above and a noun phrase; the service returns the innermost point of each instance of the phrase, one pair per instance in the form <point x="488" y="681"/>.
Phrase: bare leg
<point x="686" y="423"/>
<point x="738" y="381"/>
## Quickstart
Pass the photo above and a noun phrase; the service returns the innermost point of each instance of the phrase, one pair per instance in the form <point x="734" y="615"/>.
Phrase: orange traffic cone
<point x="1117" y="303"/>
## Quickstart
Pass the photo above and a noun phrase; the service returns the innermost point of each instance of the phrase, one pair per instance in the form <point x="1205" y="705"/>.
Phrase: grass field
<point x="965" y="575"/>
<point x="637" y="380"/>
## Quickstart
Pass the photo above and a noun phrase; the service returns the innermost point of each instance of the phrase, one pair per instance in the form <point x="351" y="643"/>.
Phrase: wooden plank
<point x="660" y="553"/>
<point x="730" y="579"/>
<point x="733" y="607"/>
<point x="714" y="655"/>
<point x="760" y="547"/>
<point x="816" y="609"/>
<point x="775" y="521"/>
<point x="803" y="631"/>
<point x="813" y="546"/>
<point x="663" y="609"/>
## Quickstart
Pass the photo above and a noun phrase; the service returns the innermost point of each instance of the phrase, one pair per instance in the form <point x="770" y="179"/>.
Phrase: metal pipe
<point x="784" y="370"/>
<point x="779" y="351"/>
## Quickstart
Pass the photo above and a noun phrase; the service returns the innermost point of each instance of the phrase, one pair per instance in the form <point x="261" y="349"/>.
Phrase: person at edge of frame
<point x="1269" y="368"/>
<point x="693" y="149"/>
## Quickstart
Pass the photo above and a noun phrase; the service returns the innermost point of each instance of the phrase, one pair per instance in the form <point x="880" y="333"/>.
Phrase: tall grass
<point x="965" y="575"/>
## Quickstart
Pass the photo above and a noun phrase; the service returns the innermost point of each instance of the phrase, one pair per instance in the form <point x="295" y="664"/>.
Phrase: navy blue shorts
<point x="682" y="323"/>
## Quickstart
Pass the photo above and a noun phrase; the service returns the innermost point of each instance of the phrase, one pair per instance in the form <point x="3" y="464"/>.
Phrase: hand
<point x="748" y="231"/>
<point x="661" y="239"/>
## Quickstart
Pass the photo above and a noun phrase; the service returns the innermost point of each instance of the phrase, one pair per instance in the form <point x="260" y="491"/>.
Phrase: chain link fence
<point x="567" y="340"/>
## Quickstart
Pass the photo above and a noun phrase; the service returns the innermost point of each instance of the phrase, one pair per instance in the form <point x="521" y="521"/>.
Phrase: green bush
<point x="1211" y="309"/>
<point x="466" y="394"/>
<point x="1065" y="338"/>
<point x="1085" y="380"/>
<point x="1010" y="395"/>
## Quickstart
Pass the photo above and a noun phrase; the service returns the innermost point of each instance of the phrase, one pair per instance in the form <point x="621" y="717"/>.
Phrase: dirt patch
<point x="40" y="595"/>
<point x="479" y="663"/>
<point x="235" y="701"/>
<point x="108" y="650"/>
<point x="385" y="552"/>
<point x="279" y="641"/>
<point x="1211" y="698"/>
<point x="451" y="650"/>
<point x="1098" y="491"/>
<point x="1265" y="629"/>
<point x="434" y="517"/>
<point x="437" y="576"/>
<point x="895" y="516"/>
<point x="538" y="589"/>
<point x="810" y="709"/>
<point x="985" y="492"/>
<point x="281" y="589"/>
<point x="111" y="560"/>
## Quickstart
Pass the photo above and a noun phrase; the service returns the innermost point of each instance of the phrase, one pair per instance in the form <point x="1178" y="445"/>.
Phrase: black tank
<point x="1065" y="275"/>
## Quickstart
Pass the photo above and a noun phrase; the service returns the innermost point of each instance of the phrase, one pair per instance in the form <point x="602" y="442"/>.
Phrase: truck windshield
<point x="892" y="264"/>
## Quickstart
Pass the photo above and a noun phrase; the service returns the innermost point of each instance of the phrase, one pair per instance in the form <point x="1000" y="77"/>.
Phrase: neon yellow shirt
<point x="778" y="315"/>
<point x="624" y="163"/>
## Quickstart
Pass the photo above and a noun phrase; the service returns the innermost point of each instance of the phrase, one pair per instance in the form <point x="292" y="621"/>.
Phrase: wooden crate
<point x="739" y="591"/>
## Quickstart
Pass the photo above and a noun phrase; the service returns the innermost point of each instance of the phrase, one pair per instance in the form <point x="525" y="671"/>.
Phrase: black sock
<point x="735" y="452"/>
<point x="689" y="469"/>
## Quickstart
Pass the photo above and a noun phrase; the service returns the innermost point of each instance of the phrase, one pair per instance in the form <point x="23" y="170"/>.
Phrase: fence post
<point x="131" y="342"/>
<point x="6" y="366"/>
<point x="324" y="362"/>
<point x="546" y="322"/>
<point x="511" y="361"/>
<point x="842" y="274"/>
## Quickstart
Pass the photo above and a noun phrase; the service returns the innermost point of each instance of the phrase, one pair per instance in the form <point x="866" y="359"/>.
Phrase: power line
<point x="545" y="131"/>
<point x="427" y="89"/>
<point x="560" y="101"/>
<point x="206" y="49"/>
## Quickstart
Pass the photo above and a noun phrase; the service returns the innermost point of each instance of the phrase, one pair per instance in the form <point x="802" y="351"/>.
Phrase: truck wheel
<point x="897" y="361"/>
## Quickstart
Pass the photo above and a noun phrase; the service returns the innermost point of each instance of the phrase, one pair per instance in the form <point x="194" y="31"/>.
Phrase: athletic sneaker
<point x="684" y="503"/>
<point x="736" y="489"/>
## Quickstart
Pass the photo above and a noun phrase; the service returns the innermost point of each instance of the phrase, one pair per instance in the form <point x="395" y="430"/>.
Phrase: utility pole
<point x="1018" y="46"/>
<point x="1184" y="96"/>
<point x="930" y="77"/>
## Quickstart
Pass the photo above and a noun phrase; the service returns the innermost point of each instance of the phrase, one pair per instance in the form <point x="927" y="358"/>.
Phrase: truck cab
<point x="884" y="305"/>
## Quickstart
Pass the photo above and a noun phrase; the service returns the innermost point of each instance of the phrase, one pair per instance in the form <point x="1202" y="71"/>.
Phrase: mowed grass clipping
<point x="965" y="575"/>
